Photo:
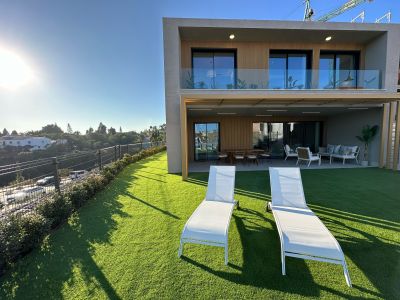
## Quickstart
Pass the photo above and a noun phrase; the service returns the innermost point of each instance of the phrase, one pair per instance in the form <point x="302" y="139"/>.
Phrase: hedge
<point x="20" y="234"/>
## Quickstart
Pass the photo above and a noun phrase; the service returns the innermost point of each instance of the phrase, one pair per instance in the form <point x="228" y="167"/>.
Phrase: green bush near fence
<point x="20" y="234"/>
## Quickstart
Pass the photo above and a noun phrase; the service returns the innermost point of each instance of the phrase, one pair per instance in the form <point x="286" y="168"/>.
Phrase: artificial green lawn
<point x="123" y="244"/>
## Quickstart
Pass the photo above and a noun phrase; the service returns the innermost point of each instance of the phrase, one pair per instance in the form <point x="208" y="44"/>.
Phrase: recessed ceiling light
<point x="196" y="109"/>
<point x="226" y="113"/>
<point x="231" y="36"/>
<point x="263" y="115"/>
<point x="328" y="38"/>
<point x="276" y="109"/>
<point x="357" y="108"/>
<point x="311" y="112"/>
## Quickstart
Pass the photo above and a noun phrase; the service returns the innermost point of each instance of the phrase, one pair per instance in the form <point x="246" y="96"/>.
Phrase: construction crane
<point x="360" y="16"/>
<point x="387" y="16"/>
<point x="334" y="13"/>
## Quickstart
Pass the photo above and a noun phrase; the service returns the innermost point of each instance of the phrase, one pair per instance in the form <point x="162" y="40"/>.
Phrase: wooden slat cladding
<point x="237" y="132"/>
<point x="255" y="55"/>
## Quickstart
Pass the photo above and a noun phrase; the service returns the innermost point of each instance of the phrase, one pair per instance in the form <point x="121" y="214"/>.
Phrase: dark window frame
<point x="194" y="138"/>
<point x="217" y="50"/>
<point x="309" y="57"/>
<point x="356" y="56"/>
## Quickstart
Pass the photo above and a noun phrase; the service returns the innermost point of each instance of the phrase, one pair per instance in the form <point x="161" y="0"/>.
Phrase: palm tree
<point x="367" y="135"/>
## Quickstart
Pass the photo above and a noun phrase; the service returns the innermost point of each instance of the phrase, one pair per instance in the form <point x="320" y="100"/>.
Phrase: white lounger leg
<point x="180" y="251"/>
<point x="283" y="263"/>
<point x="346" y="274"/>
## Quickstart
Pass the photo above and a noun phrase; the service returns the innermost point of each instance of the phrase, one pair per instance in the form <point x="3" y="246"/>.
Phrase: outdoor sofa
<point x="340" y="152"/>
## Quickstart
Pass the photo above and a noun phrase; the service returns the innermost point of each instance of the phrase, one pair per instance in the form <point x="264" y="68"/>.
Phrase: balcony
<point x="273" y="79"/>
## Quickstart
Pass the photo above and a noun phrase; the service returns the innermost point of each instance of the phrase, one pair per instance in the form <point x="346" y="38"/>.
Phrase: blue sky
<point x="103" y="60"/>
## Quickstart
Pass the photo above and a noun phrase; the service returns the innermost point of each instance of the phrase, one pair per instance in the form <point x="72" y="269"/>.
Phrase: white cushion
<point x="304" y="233"/>
<point x="336" y="149"/>
<point x="286" y="187"/>
<point x="221" y="183"/>
<point x="209" y="222"/>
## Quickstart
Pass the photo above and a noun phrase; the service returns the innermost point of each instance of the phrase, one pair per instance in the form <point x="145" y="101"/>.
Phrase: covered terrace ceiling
<point x="273" y="111"/>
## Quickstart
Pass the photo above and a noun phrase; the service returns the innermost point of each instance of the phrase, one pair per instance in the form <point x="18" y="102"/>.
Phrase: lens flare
<point x="14" y="71"/>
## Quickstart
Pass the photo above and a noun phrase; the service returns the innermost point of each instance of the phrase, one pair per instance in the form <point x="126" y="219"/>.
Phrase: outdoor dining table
<point x="231" y="153"/>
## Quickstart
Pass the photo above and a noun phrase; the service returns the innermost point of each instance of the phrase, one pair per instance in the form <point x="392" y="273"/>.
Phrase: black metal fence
<point x="24" y="184"/>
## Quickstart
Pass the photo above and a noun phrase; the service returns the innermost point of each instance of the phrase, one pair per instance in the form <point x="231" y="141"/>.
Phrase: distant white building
<point x="33" y="142"/>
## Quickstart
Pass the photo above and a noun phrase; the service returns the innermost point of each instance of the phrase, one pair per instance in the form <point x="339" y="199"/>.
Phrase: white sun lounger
<point x="209" y="223"/>
<point x="301" y="232"/>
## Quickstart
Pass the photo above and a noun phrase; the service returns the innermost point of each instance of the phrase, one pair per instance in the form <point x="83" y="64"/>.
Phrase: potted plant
<point x="367" y="135"/>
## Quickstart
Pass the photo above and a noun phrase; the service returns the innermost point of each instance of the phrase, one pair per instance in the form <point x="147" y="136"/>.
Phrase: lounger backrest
<point x="221" y="183"/>
<point x="286" y="187"/>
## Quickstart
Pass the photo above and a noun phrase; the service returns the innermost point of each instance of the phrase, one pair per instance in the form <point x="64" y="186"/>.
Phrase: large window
<point x="289" y="69"/>
<point x="271" y="137"/>
<point x="338" y="70"/>
<point x="214" y="69"/>
<point x="206" y="141"/>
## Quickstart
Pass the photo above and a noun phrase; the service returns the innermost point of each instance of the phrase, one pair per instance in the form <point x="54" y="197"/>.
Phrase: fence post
<point x="99" y="159"/>
<point x="119" y="151"/>
<point x="127" y="148"/>
<point x="56" y="177"/>
<point x="141" y="145"/>
<point x="115" y="153"/>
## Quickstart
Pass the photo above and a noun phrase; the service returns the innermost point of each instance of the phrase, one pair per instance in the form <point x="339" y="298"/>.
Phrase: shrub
<point x="55" y="209"/>
<point x="34" y="228"/>
<point x="78" y="195"/>
<point x="20" y="234"/>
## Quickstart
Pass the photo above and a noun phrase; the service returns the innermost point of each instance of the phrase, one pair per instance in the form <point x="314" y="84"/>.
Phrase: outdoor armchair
<point x="304" y="154"/>
<point x="289" y="152"/>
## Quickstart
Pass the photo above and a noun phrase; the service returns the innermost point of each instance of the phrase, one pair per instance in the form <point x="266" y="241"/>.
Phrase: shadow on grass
<point x="46" y="271"/>
<point x="377" y="258"/>
<point x="152" y="206"/>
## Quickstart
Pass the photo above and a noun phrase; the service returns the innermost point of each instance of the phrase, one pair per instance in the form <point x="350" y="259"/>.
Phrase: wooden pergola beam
<point x="390" y="135"/>
<point x="397" y="139"/>
<point x="384" y="126"/>
<point x="184" y="139"/>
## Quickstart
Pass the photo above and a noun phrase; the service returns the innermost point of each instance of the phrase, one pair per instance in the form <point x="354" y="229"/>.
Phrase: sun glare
<point x="14" y="71"/>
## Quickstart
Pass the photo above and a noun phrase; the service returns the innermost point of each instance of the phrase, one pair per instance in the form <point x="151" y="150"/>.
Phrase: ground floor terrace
<point x="214" y="124"/>
<point x="123" y="244"/>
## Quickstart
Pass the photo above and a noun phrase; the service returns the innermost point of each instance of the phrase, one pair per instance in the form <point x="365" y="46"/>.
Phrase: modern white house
<point x="33" y="142"/>
<point x="248" y="84"/>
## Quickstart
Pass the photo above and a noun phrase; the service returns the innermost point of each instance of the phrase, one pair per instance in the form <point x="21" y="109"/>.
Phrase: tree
<point x="5" y="132"/>
<point x="14" y="132"/>
<point x="51" y="129"/>
<point x="102" y="129"/>
<point x="112" y="131"/>
<point x="69" y="129"/>
<point x="90" y="130"/>
<point x="154" y="134"/>
<point x="367" y="135"/>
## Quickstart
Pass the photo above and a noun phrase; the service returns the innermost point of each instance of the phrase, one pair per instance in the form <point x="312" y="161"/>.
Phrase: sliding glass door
<point x="214" y="69"/>
<point x="289" y="69"/>
<point x="269" y="137"/>
<point x="206" y="141"/>
<point x="338" y="70"/>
